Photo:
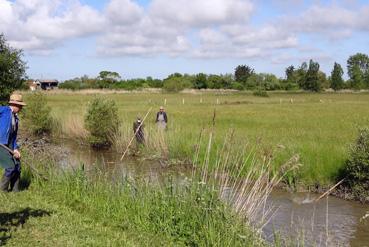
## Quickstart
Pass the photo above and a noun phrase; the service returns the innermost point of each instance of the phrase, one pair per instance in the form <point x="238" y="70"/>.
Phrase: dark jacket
<point x="139" y="131"/>
<point x="165" y="116"/>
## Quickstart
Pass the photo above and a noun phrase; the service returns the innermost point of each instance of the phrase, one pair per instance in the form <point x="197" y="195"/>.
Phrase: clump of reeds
<point x="242" y="179"/>
<point x="73" y="128"/>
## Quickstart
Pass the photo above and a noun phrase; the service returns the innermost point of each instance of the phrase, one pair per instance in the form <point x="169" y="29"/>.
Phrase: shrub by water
<point x="357" y="167"/>
<point x="102" y="122"/>
<point x="37" y="114"/>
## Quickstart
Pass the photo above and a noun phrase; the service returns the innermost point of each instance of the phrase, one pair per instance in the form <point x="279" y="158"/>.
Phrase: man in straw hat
<point x="8" y="138"/>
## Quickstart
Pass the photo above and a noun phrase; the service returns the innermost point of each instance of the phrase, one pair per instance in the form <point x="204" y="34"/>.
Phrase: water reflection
<point x="332" y="222"/>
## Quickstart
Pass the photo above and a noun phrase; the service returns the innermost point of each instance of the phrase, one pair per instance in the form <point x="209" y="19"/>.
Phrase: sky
<point x="63" y="39"/>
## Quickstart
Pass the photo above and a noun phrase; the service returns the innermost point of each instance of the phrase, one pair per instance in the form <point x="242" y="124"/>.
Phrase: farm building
<point x="43" y="84"/>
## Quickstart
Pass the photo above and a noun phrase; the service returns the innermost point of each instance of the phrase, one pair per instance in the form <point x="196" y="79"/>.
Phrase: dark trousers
<point x="12" y="181"/>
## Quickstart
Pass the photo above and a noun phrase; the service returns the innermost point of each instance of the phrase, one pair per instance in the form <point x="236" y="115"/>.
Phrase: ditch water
<point x="328" y="222"/>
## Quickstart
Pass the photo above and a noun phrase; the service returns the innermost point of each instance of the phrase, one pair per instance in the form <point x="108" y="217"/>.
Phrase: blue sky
<point x="66" y="39"/>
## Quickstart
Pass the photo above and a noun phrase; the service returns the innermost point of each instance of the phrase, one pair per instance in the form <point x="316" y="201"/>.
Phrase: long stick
<point x="328" y="191"/>
<point x="8" y="149"/>
<point x="130" y="142"/>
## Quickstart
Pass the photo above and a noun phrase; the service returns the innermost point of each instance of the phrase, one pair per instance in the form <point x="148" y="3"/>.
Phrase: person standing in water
<point x="161" y="118"/>
<point x="138" y="130"/>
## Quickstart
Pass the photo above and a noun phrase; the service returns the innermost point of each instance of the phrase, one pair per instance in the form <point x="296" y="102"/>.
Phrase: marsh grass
<point x="318" y="127"/>
<point x="193" y="214"/>
<point x="223" y="202"/>
<point x="73" y="128"/>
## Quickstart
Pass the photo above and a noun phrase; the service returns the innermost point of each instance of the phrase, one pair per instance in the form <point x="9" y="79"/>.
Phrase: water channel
<point x="328" y="222"/>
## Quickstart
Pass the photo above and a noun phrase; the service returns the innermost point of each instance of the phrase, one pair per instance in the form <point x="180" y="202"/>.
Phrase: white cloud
<point x="142" y="38"/>
<point x="189" y="28"/>
<point x="123" y="12"/>
<point x="268" y="36"/>
<point x="211" y="36"/>
<point x="195" y="13"/>
<point x="243" y="41"/>
<point x="332" y="21"/>
<point x="41" y="24"/>
<point x="164" y="27"/>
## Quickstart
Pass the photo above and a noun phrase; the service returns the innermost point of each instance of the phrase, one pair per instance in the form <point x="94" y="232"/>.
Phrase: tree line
<point x="307" y="76"/>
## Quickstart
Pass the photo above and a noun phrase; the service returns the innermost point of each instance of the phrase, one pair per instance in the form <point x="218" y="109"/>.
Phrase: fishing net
<point x="6" y="158"/>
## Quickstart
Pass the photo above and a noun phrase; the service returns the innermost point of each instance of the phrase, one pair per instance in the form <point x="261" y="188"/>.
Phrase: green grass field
<point x="318" y="127"/>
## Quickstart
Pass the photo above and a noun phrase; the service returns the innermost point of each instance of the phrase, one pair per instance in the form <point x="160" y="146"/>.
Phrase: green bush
<point x="260" y="93"/>
<point x="357" y="167"/>
<point x="176" y="84"/>
<point x="38" y="114"/>
<point x="102" y="122"/>
<point x="237" y="86"/>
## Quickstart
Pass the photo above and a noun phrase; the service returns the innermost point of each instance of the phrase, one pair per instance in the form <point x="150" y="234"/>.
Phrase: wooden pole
<point x="329" y="191"/>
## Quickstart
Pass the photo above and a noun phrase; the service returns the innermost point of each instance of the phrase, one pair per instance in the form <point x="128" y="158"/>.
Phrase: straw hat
<point x="16" y="99"/>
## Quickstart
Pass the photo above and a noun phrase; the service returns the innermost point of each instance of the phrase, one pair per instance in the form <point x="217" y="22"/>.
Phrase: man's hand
<point x="16" y="154"/>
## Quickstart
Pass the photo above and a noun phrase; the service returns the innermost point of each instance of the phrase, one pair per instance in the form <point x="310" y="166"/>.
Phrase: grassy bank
<point x="318" y="127"/>
<point x="74" y="207"/>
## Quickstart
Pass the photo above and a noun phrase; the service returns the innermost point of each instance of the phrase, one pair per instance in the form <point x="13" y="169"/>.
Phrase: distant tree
<point x="215" y="81"/>
<point x="254" y="81"/>
<point x="237" y="86"/>
<point x="337" y="82"/>
<point x="155" y="83"/>
<point x="176" y="84"/>
<point x="109" y="76"/>
<point x="323" y="80"/>
<point x="174" y="75"/>
<point x="291" y="81"/>
<point x="271" y="82"/>
<point x="357" y="78"/>
<point x="290" y="73"/>
<point x="366" y="79"/>
<point x="242" y="73"/>
<point x="84" y="78"/>
<point x="357" y="70"/>
<point x="200" y="81"/>
<point x="301" y="75"/>
<point x="12" y="69"/>
<point x="312" y="82"/>
<point x="227" y="80"/>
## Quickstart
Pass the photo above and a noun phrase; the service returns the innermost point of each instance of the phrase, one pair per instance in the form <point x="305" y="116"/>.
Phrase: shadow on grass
<point x="10" y="221"/>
